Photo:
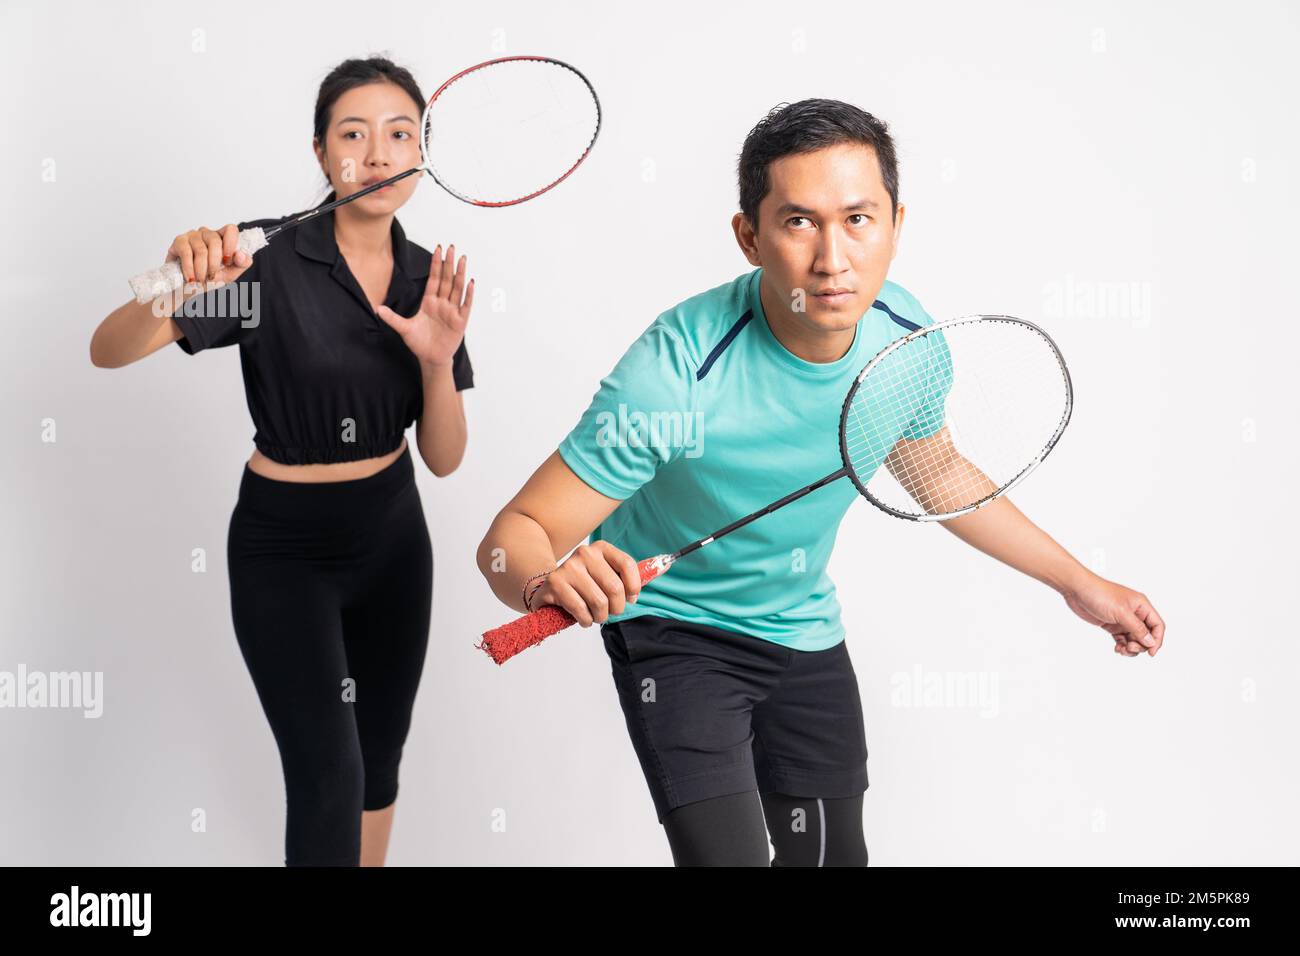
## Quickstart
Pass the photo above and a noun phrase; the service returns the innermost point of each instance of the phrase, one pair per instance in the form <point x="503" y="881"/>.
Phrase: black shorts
<point x="713" y="712"/>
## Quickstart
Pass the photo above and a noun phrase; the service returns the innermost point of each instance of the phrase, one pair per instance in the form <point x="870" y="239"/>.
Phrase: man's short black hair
<point x="802" y="128"/>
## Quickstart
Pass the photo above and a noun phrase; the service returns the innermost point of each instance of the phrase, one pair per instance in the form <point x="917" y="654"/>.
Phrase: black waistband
<point x="308" y="499"/>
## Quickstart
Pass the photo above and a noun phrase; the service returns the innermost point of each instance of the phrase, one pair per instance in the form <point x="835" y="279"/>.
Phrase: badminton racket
<point x="496" y="134"/>
<point x="956" y="412"/>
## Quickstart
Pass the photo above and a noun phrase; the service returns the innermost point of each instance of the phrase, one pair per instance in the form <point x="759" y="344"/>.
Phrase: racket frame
<point x="427" y="165"/>
<point x="425" y="131"/>
<point x="921" y="333"/>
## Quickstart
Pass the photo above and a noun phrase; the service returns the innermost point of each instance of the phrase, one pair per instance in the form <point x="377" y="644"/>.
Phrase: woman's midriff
<point x="339" y="471"/>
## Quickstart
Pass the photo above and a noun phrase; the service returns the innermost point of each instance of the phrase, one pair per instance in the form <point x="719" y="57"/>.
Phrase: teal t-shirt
<point x="708" y="417"/>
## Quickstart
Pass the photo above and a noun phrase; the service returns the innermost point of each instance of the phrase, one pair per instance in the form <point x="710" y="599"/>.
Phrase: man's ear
<point x="745" y="238"/>
<point x="898" y="229"/>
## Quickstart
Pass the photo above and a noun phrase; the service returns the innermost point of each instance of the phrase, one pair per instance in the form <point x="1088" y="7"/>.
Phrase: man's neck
<point x="811" y="345"/>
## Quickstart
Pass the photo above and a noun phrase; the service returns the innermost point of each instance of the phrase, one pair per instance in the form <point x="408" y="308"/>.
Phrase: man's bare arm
<point x="551" y="515"/>
<point x="940" y="478"/>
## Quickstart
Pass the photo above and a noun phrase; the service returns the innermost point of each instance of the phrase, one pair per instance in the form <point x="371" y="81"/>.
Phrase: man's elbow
<point x="488" y="553"/>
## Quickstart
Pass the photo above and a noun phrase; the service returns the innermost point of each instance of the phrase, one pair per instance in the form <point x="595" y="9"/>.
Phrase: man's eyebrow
<point x="359" y="119"/>
<point x="789" y="208"/>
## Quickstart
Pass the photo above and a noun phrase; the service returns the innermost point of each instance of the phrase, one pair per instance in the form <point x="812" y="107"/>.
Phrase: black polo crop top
<point x="326" y="379"/>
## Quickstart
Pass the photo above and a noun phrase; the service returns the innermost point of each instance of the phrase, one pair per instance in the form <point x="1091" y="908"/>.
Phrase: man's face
<point x="825" y="235"/>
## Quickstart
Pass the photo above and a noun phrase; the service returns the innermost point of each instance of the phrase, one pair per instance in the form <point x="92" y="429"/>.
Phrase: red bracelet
<point x="528" y="595"/>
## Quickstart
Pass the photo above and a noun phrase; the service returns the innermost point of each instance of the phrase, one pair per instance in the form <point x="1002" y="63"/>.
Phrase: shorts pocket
<point x="615" y="643"/>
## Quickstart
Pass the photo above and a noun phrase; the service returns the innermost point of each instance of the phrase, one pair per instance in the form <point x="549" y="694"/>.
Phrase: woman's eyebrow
<point x="361" y="119"/>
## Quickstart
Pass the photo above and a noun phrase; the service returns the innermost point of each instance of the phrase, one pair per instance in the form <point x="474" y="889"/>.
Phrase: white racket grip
<point x="147" y="286"/>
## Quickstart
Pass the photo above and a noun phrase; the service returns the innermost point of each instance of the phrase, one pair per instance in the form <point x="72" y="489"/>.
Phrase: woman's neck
<point x="367" y="236"/>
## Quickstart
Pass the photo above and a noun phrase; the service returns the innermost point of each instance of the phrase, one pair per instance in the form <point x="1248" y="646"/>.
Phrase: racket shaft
<point x="147" y="286"/>
<point x="779" y="503"/>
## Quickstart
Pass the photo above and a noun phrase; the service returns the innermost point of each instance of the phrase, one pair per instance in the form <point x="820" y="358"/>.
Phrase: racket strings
<point x="509" y="130"/>
<point x="955" y="415"/>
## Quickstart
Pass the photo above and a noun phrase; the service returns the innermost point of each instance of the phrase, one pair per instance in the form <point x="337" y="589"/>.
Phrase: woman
<point x="353" y="333"/>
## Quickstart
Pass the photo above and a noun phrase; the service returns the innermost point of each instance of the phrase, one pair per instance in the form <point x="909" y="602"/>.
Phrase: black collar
<point x="315" y="240"/>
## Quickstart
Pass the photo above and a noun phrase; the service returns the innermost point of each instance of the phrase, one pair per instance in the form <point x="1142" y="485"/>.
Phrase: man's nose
<point x="830" y="253"/>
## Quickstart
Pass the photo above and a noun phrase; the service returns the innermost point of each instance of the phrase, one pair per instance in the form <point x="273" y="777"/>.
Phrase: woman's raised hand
<point x="435" y="332"/>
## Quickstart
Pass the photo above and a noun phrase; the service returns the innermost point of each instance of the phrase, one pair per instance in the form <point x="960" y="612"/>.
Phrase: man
<point x="732" y="669"/>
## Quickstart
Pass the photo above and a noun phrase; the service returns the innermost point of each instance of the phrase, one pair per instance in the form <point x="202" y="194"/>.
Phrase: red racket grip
<point x="504" y="642"/>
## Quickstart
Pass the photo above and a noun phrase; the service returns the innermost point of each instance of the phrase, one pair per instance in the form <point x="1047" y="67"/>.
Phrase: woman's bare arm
<point x="134" y="330"/>
<point x="208" y="259"/>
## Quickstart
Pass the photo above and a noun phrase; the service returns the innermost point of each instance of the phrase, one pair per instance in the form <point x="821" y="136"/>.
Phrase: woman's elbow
<point x="448" y="464"/>
<point x="443" y="469"/>
<point x="97" y="356"/>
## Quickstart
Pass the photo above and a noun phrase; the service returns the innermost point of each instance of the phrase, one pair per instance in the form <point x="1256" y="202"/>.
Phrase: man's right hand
<point x="597" y="580"/>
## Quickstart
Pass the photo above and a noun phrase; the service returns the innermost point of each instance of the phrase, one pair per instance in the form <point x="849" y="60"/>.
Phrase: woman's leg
<point x="289" y="629"/>
<point x="376" y="826"/>
<point x="386" y="635"/>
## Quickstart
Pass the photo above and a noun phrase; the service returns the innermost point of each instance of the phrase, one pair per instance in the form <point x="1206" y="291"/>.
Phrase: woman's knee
<point x="323" y="819"/>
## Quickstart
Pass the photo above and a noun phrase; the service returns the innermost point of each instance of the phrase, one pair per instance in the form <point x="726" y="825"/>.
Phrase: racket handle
<point x="147" y="286"/>
<point x="504" y="642"/>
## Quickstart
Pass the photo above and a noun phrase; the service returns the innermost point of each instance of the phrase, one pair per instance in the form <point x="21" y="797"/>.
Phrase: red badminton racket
<point x="496" y="134"/>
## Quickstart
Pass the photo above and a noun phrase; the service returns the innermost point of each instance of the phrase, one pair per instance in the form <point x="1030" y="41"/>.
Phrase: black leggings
<point x="730" y="831"/>
<point x="330" y="590"/>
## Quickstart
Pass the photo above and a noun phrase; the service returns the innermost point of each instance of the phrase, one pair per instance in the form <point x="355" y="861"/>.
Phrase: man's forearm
<point x="1002" y="531"/>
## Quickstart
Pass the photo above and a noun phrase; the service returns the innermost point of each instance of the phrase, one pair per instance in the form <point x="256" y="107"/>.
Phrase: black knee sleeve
<point x="815" y="831"/>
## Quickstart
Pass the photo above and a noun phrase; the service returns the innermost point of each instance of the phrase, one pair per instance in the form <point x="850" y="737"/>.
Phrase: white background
<point x="1050" y="154"/>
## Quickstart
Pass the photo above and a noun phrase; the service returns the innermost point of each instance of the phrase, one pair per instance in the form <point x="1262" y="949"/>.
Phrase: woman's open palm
<point x="435" y="332"/>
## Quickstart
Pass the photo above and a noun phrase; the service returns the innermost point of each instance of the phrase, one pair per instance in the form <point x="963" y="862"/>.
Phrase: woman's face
<point x="373" y="133"/>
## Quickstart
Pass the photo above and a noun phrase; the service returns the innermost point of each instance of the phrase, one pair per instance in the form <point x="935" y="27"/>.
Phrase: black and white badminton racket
<point x="939" y="423"/>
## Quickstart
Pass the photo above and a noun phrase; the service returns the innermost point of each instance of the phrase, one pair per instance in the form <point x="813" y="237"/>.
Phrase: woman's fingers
<point x="229" y="243"/>
<point x="203" y="253"/>
<point x="435" y="274"/>
<point x="184" y="255"/>
<point x="200" y="250"/>
<point x="445" y="277"/>
<point x="398" y="323"/>
<point x="458" y="284"/>
<point x="212" y="240"/>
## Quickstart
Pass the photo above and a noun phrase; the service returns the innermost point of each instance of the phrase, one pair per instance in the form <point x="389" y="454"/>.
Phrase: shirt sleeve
<point x="222" y="316"/>
<point x="633" y="425"/>
<point x="931" y="413"/>
<point x="462" y="372"/>
<point x="933" y="395"/>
